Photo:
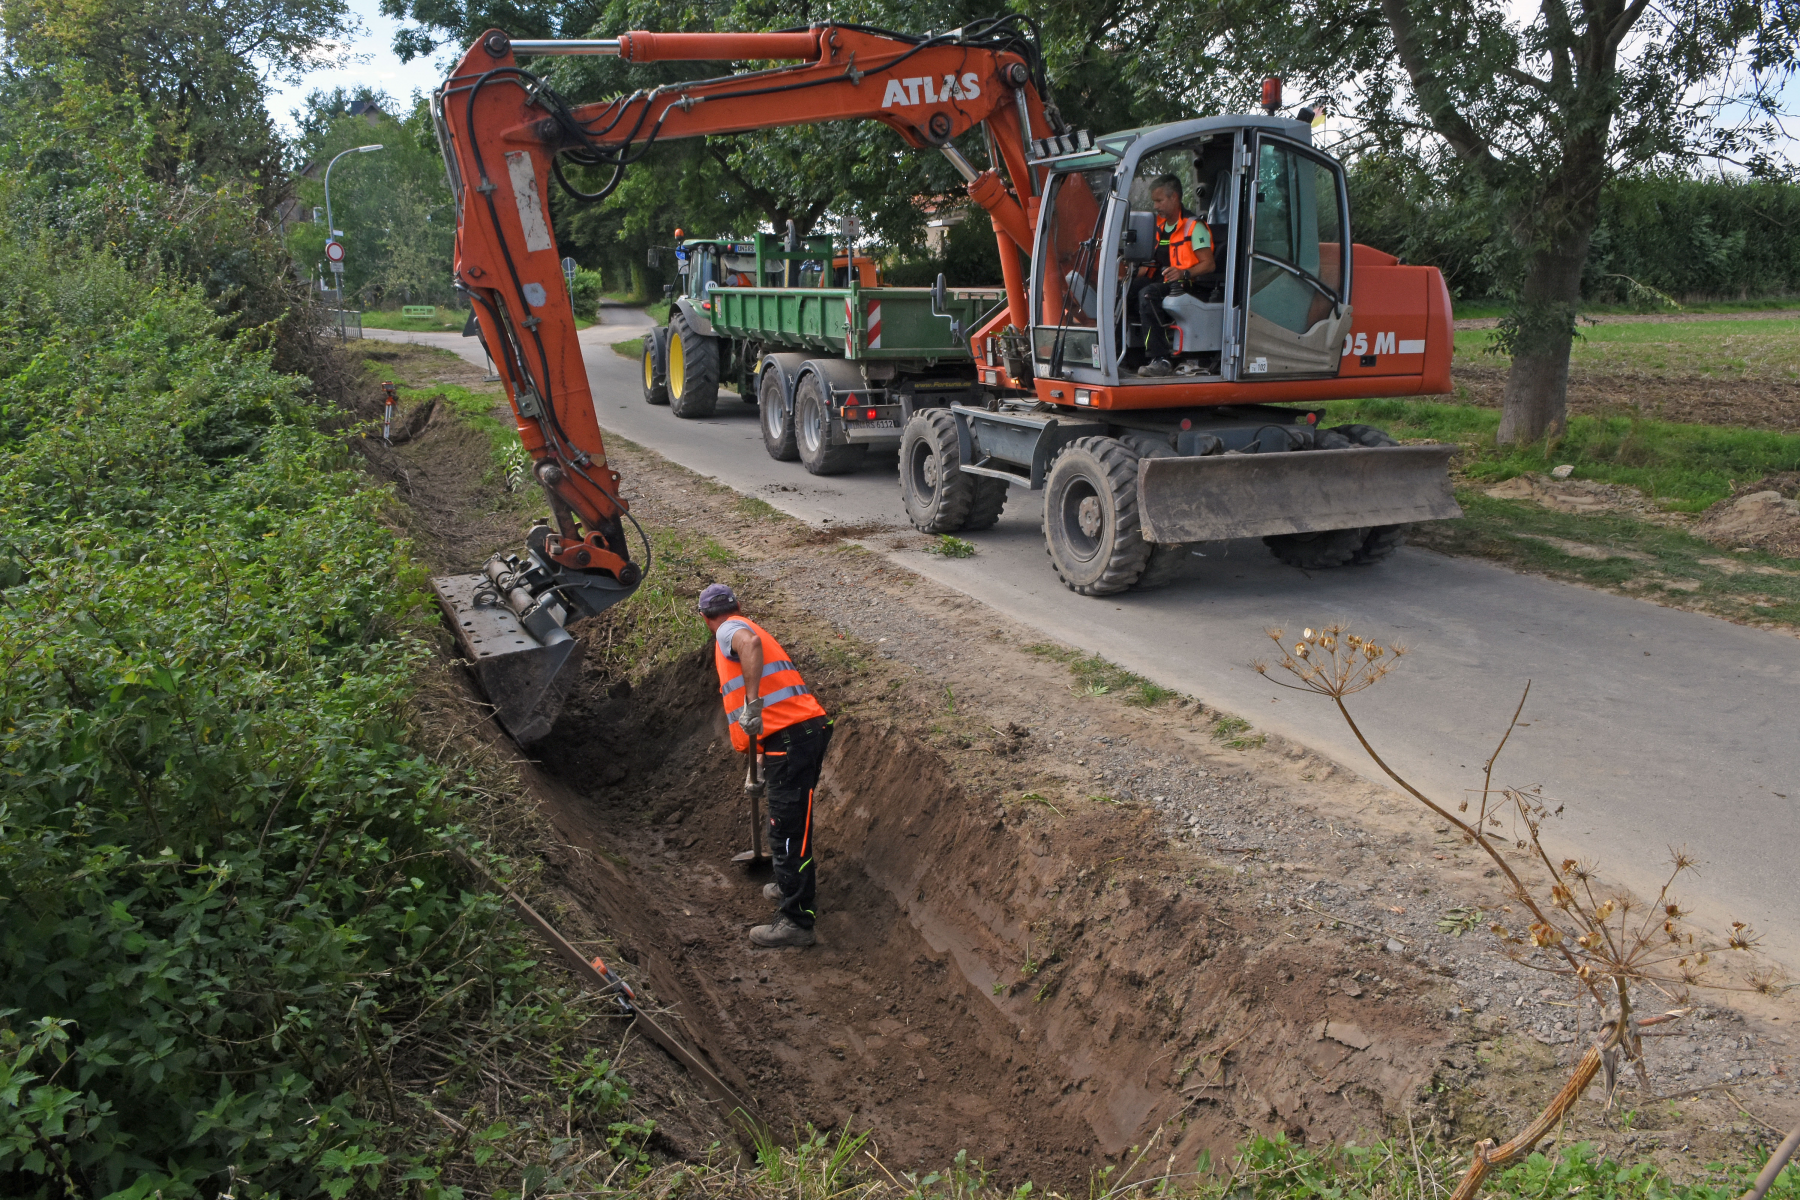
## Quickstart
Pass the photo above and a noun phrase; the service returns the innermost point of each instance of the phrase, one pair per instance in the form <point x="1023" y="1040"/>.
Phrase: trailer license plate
<point x="880" y="425"/>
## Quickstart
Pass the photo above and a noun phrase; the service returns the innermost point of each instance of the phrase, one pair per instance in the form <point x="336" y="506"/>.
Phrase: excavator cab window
<point x="1069" y="275"/>
<point x="1298" y="306"/>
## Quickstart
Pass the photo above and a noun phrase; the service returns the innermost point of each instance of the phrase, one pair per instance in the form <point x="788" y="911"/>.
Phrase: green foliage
<point x="1689" y="238"/>
<point x="951" y="547"/>
<point x="231" y="895"/>
<point x="393" y="204"/>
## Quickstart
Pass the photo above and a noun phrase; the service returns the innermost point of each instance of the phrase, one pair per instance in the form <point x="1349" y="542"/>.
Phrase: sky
<point x="376" y="66"/>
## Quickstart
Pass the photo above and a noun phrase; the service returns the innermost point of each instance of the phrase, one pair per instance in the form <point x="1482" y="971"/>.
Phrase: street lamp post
<point x="331" y="230"/>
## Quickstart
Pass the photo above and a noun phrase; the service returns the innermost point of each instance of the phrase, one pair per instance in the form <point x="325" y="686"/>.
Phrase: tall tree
<point x="1536" y="116"/>
<point x="197" y="71"/>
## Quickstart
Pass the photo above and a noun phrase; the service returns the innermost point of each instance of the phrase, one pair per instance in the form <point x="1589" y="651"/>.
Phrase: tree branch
<point x="1434" y="97"/>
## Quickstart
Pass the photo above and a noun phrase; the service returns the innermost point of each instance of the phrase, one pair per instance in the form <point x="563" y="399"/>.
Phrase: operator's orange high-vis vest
<point x="1184" y="241"/>
<point x="786" y="700"/>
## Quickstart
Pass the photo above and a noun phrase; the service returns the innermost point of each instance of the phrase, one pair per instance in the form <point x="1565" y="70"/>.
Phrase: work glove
<point x="749" y="718"/>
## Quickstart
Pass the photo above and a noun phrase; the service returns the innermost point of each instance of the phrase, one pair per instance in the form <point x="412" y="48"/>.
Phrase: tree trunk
<point x="1536" y="402"/>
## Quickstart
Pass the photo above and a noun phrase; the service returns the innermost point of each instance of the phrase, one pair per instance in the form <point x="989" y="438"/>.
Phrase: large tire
<point x="693" y="370"/>
<point x="812" y="430"/>
<point x="1317" y="551"/>
<point x="988" y="504"/>
<point x="1091" y="530"/>
<point x="776" y="421"/>
<point x="1364" y="435"/>
<point x="1169" y="561"/>
<point x="656" y="377"/>
<point x="1382" y="541"/>
<point x="936" y="493"/>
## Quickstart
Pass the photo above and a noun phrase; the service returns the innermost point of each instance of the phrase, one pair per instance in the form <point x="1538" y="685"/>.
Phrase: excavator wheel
<point x="1317" y="551"/>
<point x="1382" y="541"/>
<point x="938" y="497"/>
<point x="777" y="422"/>
<point x="693" y="371"/>
<point x="812" y="430"/>
<point x="656" y="377"/>
<point x="988" y="504"/>
<point x="1091" y="517"/>
<point x="1169" y="561"/>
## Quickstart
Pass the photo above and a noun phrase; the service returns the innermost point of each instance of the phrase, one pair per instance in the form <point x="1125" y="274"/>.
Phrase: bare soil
<point x="1648" y="318"/>
<point x="1053" y="926"/>
<point x="1697" y="399"/>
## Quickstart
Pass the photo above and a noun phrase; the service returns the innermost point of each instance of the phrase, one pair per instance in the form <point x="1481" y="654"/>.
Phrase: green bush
<point x="587" y="293"/>
<point x="229" y="904"/>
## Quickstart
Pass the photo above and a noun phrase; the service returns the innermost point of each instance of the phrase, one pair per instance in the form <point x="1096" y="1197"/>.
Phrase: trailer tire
<point x="1317" y="551"/>
<point x="935" y="492"/>
<point x="1091" y="530"/>
<point x="693" y="370"/>
<point x="773" y="415"/>
<point x="656" y="376"/>
<point x="812" y="430"/>
<point x="1382" y="541"/>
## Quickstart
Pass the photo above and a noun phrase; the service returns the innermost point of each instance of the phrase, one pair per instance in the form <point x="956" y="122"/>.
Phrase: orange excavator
<point x="1040" y="391"/>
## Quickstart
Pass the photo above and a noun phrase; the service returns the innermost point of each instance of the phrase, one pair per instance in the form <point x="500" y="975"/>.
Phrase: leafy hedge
<point x="1689" y="238"/>
<point x="228" y="911"/>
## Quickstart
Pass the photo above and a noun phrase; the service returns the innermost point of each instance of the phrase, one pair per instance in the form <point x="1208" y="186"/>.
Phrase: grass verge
<point x="632" y="348"/>
<point x="442" y="320"/>
<point x="1752" y="348"/>
<point x="1683" y="468"/>
<point x="1617" y="551"/>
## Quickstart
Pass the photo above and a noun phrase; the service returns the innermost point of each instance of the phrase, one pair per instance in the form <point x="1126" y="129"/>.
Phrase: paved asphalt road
<point x="1655" y="727"/>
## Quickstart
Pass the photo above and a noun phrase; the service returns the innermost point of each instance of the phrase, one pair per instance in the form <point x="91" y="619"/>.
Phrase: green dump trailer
<point x="833" y="362"/>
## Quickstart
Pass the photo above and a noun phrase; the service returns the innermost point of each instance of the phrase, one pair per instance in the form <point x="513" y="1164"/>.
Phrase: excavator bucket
<point x="512" y="635"/>
<point x="1204" y="499"/>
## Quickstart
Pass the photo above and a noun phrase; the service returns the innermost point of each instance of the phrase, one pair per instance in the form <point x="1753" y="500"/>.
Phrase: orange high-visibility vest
<point x="1184" y="241"/>
<point x="786" y="700"/>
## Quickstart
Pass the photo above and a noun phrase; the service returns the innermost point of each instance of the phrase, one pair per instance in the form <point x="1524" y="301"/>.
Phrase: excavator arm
<point x="503" y="132"/>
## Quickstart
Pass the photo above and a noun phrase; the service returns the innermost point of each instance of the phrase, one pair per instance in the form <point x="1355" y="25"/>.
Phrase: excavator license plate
<point x="1219" y="496"/>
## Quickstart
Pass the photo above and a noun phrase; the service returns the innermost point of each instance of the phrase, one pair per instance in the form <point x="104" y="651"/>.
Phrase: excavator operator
<point x="1184" y="254"/>
<point x="782" y="722"/>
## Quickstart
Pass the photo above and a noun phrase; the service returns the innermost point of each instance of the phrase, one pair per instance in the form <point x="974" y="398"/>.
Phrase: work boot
<point x="783" y="932"/>
<point x="1156" y="368"/>
<point x="771" y="891"/>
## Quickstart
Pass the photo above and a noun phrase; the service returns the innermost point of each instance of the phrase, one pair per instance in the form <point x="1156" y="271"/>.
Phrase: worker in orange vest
<point x="780" y="720"/>
<point x="1184" y="253"/>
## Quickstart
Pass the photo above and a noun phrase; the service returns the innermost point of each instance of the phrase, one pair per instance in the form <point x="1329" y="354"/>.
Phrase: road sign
<point x="334" y="252"/>
<point x="568" y="266"/>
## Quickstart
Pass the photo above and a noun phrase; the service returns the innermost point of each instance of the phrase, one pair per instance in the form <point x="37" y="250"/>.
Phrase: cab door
<point x="1292" y="283"/>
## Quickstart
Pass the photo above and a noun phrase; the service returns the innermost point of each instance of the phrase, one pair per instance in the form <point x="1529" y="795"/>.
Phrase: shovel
<point x="755" y="858"/>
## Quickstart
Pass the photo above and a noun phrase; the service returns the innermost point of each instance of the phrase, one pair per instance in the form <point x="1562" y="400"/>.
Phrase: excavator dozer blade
<point x="1204" y="499"/>
<point x="524" y="678"/>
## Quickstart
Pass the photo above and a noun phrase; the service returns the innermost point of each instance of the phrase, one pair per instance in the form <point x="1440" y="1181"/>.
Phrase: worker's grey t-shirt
<point x="726" y="632"/>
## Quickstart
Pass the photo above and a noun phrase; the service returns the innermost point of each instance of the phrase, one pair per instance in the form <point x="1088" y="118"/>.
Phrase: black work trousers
<point x="792" y="759"/>
<point x="1148" y="294"/>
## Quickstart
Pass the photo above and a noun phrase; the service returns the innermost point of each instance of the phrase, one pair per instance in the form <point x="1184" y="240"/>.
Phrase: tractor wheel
<point x="656" y="378"/>
<point x="812" y="430"/>
<point x="1382" y="541"/>
<point x="693" y="370"/>
<point x="1091" y="517"/>
<point x="935" y="492"/>
<point x="1317" y="551"/>
<point x="777" y="422"/>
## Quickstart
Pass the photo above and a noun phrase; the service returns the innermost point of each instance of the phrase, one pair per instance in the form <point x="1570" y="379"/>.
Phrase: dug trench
<point x="1054" y="926"/>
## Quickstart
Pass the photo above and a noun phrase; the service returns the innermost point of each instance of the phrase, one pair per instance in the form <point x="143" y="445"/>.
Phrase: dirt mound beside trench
<point x="1763" y="516"/>
<point x="1045" y="994"/>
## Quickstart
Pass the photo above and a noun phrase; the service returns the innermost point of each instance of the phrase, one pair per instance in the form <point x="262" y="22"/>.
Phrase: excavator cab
<point x="1277" y="304"/>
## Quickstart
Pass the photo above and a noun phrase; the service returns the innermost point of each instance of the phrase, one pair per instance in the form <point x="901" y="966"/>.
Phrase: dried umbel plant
<point x="1605" y="940"/>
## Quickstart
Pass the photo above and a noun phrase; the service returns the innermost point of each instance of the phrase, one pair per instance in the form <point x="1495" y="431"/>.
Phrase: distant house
<point x="368" y="110"/>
